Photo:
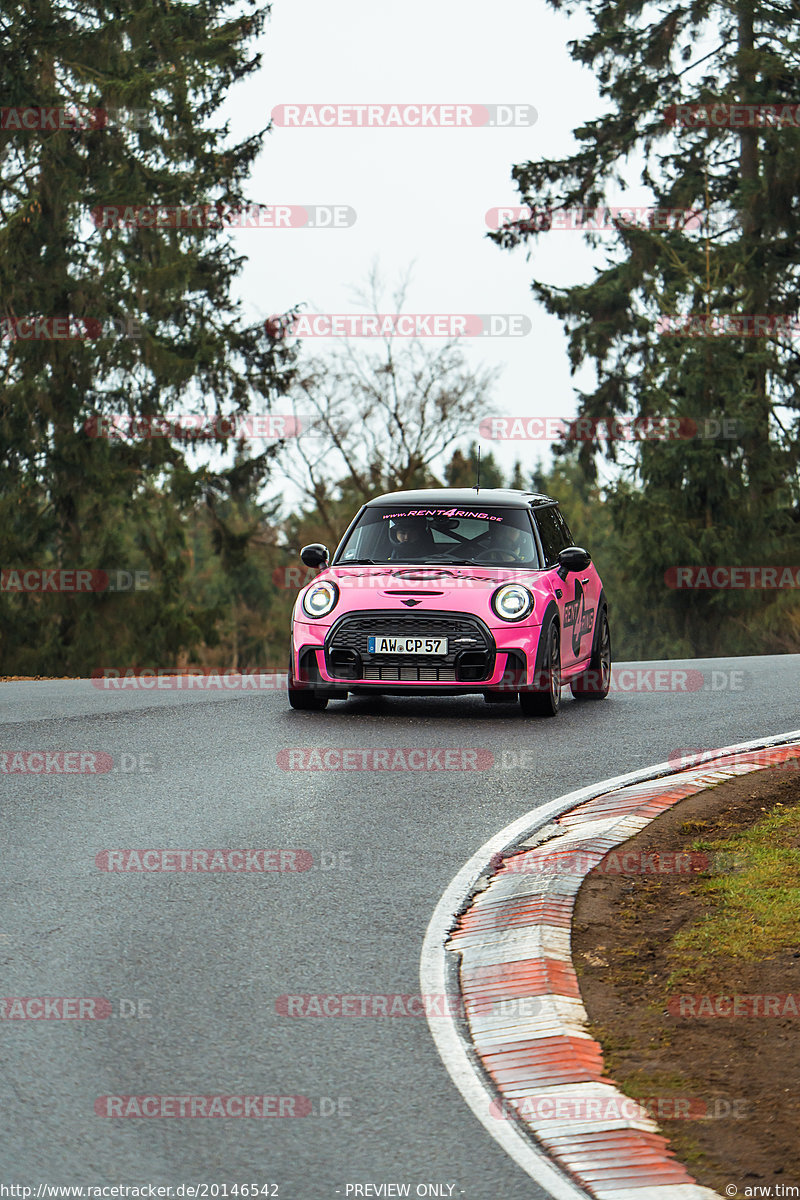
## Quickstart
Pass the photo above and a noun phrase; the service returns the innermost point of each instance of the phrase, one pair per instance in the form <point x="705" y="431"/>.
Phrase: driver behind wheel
<point x="511" y="541"/>
<point x="410" y="537"/>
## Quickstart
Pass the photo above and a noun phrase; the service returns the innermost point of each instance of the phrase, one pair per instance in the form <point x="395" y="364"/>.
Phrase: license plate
<point x="406" y="645"/>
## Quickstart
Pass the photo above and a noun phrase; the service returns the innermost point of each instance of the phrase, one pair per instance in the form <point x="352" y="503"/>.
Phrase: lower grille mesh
<point x="410" y="672"/>
<point x="348" y="642"/>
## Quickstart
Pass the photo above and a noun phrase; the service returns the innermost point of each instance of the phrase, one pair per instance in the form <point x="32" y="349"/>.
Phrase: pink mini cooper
<point x="452" y="591"/>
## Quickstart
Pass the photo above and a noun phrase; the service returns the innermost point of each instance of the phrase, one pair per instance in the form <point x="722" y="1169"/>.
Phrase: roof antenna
<point x="478" y="482"/>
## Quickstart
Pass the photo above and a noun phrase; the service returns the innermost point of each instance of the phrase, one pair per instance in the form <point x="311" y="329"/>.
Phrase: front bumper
<point x="479" y="658"/>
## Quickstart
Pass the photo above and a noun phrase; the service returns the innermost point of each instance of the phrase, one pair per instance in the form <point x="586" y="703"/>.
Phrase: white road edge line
<point x="433" y="971"/>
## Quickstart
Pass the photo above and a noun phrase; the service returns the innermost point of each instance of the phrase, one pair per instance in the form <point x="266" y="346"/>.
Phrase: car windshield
<point x="493" y="537"/>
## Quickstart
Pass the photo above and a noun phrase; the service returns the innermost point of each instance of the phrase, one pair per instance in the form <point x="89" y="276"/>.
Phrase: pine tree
<point x="159" y="329"/>
<point x="702" y="499"/>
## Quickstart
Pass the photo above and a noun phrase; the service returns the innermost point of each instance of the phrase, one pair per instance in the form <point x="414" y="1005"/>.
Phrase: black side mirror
<point x="315" y="555"/>
<point x="573" y="558"/>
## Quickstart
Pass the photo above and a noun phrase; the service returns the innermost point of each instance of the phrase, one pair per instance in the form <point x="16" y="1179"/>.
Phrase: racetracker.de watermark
<point x="670" y="679"/>
<point x="72" y="581"/>
<point x="356" y="576"/>
<point x="221" y="216"/>
<point x="590" y="429"/>
<point x="655" y="679"/>
<point x="51" y="118"/>
<point x="265" y="426"/>
<point x="219" y="1105"/>
<point x="388" y="325"/>
<point x="731" y="578"/>
<point x="567" y="1107"/>
<point x="613" y="863"/>
<point x="698" y="756"/>
<point x="623" y="679"/>
<point x="351" y="576"/>
<point x="733" y="116"/>
<point x="715" y="325"/>
<point x="780" y="1005"/>
<point x="67" y="328"/>
<point x="55" y="762"/>
<point x="402" y="116"/>
<point x="110" y="679"/>
<point x="71" y="1008"/>
<point x="642" y="679"/>
<point x="589" y="220"/>
<point x="143" y="862"/>
<point x="388" y="758"/>
<point x="397" y="1004"/>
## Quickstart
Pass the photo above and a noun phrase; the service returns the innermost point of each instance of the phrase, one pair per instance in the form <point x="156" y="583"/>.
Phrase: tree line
<point x="133" y="323"/>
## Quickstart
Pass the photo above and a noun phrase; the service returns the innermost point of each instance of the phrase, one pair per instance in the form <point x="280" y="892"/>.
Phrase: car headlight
<point x="512" y="602"/>
<point x="320" y="599"/>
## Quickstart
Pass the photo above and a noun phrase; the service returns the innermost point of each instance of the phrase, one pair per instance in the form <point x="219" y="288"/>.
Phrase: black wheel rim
<point x="605" y="656"/>
<point x="555" y="670"/>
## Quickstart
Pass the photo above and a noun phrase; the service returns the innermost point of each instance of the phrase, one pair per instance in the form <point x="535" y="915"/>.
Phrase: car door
<point x="586" y="598"/>
<point x="579" y="590"/>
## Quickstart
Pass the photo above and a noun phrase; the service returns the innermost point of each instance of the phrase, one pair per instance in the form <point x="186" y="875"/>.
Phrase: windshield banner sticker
<point x="441" y="512"/>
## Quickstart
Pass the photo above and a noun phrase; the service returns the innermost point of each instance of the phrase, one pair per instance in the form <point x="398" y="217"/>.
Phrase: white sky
<point x="420" y="194"/>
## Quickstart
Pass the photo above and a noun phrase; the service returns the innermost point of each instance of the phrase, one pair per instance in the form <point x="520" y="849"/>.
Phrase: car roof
<point x="485" y="497"/>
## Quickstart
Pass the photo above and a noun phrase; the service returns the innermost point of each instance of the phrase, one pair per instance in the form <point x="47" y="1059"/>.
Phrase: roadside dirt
<point x="741" y="1072"/>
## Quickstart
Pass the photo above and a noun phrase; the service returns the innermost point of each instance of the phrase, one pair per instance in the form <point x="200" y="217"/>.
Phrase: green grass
<point x="641" y="1084"/>
<point x="756" y="911"/>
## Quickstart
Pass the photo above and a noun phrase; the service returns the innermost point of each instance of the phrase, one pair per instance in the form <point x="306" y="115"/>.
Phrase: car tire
<point x="308" y="701"/>
<point x="595" y="682"/>
<point x="305" y="699"/>
<point x="546" y="700"/>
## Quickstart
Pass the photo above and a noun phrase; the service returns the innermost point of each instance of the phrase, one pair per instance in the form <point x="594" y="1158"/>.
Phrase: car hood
<point x="425" y="578"/>
<point x="423" y="588"/>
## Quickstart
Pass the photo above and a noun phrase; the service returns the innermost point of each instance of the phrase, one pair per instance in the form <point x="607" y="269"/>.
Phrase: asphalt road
<point x="203" y="957"/>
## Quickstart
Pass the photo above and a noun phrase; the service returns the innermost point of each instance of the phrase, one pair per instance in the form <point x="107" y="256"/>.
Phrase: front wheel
<point x="308" y="701"/>
<point x="305" y="699"/>
<point x="594" y="683"/>
<point x="546" y="701"/>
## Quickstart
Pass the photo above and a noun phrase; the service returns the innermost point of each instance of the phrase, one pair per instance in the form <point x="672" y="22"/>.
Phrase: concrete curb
<point x="508" y="920"/>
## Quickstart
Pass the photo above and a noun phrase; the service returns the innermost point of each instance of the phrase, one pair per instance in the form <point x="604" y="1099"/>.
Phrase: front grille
<point x="409" y="670"/>
<point x="469" y="642"/>
<point x="351" y="633"/>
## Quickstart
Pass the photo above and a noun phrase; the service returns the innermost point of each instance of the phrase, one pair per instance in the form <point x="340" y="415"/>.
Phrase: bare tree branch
<point x="384" y="414"/>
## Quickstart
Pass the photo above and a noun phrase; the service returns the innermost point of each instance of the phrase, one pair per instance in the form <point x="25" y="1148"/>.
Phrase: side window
<point x="565" y="527"/>
<point x="554" y="533"/>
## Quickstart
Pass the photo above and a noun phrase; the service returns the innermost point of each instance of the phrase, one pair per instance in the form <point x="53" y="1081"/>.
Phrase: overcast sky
<point x="420" y="195"/>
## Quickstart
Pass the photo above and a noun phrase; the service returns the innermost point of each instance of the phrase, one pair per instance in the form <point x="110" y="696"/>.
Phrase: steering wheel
<point x="503" y="555"/>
